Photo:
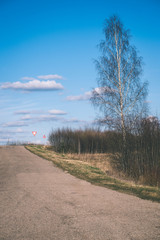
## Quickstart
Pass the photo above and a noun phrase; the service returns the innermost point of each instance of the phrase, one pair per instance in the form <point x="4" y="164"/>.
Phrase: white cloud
<point x="57" y="112"/>
<point x="28" y="78"/>
<point x="48" y="118"/>
<point x="22" y="112"/>
<point x="101" y="90"/>
<point x="27" y="113"/>
<point x="26" y="117"/>
<point x="44" y="77"/>
<point x="5" y="132"/>
<point x="15" y="124"/>
<point x="44" y="118"/>
<point x="152" y="118"/>
<point x="73" y="120"/>
<point x="41" y="118"/>
<point x="50" y="76"/>
<point x="27" y="120"/>
<point x="19" y="130"/>
<point x="34" y="85"/>
<point x="89" y="94"/>
<point x="85" y="96"/>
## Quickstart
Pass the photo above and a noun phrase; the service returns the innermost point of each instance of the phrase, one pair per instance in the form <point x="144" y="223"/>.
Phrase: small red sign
<point x="44" y="136"/>
<point x="34" y="133"/>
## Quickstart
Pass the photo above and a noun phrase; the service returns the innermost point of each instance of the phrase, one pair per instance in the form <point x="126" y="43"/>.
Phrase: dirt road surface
<point x="38" y="201"/>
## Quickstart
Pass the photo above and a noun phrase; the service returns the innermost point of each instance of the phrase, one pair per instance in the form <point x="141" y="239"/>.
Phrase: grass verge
<point x="94" y="175"/>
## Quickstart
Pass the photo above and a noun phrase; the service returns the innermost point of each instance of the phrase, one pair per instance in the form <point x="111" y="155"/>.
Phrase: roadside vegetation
<point x="96" y="169"/>
<point x="142" y="153"/>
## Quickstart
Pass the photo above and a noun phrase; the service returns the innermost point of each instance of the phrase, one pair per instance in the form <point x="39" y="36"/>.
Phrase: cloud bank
<point x="34" y="85"/>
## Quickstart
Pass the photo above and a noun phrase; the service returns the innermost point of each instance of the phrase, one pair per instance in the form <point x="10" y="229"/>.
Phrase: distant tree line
<point x="84" y="141"/>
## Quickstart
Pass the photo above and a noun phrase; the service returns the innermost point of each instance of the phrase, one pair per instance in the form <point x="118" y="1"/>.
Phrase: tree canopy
<point x="121" y="94"/>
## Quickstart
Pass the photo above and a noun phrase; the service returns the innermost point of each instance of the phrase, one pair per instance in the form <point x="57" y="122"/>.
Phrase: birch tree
<point x="121" y="94"/>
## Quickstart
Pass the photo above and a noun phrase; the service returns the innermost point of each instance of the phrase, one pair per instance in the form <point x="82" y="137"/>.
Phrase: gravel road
<point x="41" y="202"/>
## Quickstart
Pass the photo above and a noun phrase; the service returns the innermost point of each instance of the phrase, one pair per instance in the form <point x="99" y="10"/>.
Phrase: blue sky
<point x="46" y="62"/>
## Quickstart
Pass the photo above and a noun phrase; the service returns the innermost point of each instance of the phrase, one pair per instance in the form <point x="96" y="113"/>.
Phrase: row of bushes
<point x="84" y="141"/>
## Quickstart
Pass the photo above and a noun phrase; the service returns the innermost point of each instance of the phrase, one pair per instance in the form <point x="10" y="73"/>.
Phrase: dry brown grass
<point x="106" y="162"/>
